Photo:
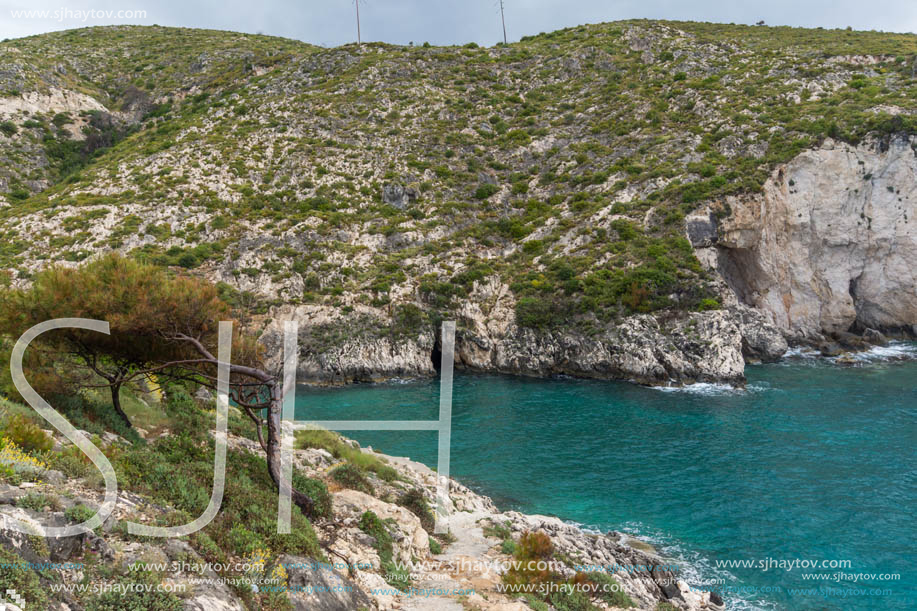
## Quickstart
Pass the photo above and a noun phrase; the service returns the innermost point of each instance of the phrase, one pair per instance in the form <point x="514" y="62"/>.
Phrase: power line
<point x="359" y="36"/>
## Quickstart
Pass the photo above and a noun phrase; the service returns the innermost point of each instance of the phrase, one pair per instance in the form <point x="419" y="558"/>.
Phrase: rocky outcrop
<point x="695" y="347"/>
<point x="830" y="244"/>
<point x="647" y="576"/>
<point x="338" y="348"/>
<point x="699" y="347"/>
<point x="55" y="101"/>
<point x="316" y="588"/>
<point x="399" y="196"/>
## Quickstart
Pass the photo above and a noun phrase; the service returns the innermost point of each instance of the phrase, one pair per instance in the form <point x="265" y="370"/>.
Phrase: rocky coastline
<point x="648" y="349"/>
<point x="708" y="347"/>
<point x="466" y="571"/>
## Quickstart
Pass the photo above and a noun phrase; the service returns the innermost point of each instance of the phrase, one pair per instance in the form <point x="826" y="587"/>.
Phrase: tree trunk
<point x="274" y="417"/>
<point x="116" y="402"/>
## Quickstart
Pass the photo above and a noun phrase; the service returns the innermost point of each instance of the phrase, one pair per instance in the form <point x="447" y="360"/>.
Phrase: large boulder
<point x="409" y="538"/>
<point x="399" y="196"/>
<point x="318" y="586"/>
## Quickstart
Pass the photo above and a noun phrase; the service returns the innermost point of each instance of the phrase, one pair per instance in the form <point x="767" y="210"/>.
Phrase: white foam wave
<point x="801" y="352"/>
<point x="703" y="388"/>
<point x="894" y="351"/>
<point x="700" y="572"/>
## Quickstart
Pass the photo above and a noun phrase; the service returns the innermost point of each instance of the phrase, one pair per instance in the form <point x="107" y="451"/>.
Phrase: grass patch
<point x="37" y="502"/>
<point x="378" y="529"/>
<point x="353" y="477"/>
<point x="340" y="449"/>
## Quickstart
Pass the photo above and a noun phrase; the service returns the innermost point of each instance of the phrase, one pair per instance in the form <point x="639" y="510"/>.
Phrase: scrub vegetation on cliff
<point x="398" y="178"/>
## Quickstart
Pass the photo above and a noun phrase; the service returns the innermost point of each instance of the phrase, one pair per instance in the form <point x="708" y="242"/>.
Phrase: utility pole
<point x="503" y="18"/>
<point x="359" y="37"/>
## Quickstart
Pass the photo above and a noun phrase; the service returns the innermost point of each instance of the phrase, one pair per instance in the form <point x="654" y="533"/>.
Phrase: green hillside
<point x="562" y="165"/>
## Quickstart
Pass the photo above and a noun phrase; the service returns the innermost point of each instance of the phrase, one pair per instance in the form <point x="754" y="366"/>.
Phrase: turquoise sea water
<point x="814" y="461"/>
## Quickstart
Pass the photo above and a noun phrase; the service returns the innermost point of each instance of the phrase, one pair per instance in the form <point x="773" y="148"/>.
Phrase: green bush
<point x="136" y="599"/>
<point x="626" y="230"/>
<point x="317" y="491"/>
<point x="609" y="590"/>
<point x="9" y="475"/>
<point x="534" y="603"/>
<point x="500" y="531"/>
<point x="8" y="127"/>
<point x="512" y="228"/>
<point x="79" y="513"/>
<point x="573" y="600"/>
<point x="485" y="191"/>
<point x="407" y="319"/>
<point x="533" y="247"/>
<point x="207" y="547"/>
<point x="27" y="435"/>
<point x="508" y="546"/>
<point x="535" y="312"/>
<point x="71" y="461"/>
<point x="413" y="500"/>
<point x="37" y="502"/>
<point x="19" y="193"/>
<point x="353" y="477"/>
<point x="243" y="541"/>
<point x="188" y="260"/>
<point x="708" y="304"/>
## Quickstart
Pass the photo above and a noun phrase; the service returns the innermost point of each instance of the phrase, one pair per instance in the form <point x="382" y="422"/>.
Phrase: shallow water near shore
<point x="813" y="461"/>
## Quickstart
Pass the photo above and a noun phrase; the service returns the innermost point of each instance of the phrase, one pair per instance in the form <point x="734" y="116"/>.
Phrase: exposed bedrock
<point x="697" y="347"/>
<point x="830" y="246"/>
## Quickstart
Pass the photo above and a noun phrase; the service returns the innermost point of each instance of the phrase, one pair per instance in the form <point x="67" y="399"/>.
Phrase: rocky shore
<point x="648" y="349"/>
<point x="709" y="347"/>
<point x="466" y="570"/>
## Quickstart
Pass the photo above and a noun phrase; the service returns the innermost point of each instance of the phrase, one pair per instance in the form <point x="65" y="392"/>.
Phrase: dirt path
<point x="464" y="571"/>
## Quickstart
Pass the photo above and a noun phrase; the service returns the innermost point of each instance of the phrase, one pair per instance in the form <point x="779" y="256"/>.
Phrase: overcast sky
<point x="332" y="22"/>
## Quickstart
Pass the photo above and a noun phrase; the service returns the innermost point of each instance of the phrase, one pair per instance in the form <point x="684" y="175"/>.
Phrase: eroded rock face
<point x="56" y="100"/>
<point x="696" y="347"/>
<point x="701" y="347"/>
<point x="337" y="348"/>
<point x="831" y="244"/>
